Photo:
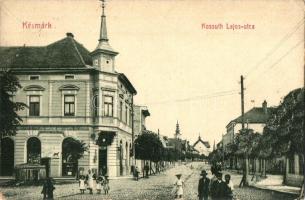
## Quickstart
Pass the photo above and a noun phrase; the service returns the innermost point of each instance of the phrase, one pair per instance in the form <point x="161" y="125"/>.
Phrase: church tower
<point x="177" y="133"/>
<point x="104" y="56"/>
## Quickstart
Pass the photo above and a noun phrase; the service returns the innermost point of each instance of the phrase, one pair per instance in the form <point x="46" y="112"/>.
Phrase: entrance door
<point x="46" y="162"/>
<point x="7" y="157"/>
<point x="102" y="161"/>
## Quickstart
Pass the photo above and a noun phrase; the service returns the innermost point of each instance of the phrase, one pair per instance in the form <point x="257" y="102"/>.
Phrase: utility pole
<point x="242" y="102"/>
<point x="244" y="180"/>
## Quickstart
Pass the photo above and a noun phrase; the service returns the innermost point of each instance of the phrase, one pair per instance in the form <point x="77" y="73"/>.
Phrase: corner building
<point x="72" y="94"/>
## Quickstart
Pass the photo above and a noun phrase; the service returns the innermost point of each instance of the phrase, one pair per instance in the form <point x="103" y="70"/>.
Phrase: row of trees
<point x="283" y="134"/>
<point x="148" y="146"/>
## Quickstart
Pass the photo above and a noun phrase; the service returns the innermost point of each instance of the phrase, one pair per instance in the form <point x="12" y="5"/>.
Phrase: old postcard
<point x="152" y="99"/>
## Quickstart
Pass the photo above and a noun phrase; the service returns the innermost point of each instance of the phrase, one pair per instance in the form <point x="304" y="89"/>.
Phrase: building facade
<point x="140" y="114"/>
<point x="73" y="95"/>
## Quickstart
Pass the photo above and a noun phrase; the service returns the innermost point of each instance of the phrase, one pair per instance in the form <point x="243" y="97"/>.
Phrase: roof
<point x="255" y="115"/>
<point x="127" y="83"/>
<point x="65" y="53"/>
<point x="205" y="143"/>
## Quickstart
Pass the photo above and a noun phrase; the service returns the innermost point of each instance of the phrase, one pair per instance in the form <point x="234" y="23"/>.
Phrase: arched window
<point x="33" y="150"/>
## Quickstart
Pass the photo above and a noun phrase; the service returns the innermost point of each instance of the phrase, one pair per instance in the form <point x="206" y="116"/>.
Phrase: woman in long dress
<point x="90" y="181"/>
<point x="179" y="186"/>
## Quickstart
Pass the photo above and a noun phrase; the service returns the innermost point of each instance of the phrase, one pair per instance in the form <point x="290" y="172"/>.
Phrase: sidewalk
<point x="274" y="183"/>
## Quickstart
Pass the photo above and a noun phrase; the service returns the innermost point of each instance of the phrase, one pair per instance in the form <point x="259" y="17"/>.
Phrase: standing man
<point x="146" y="169"/>
<point x="218" y="188"/>
<point x="203" y="186"/>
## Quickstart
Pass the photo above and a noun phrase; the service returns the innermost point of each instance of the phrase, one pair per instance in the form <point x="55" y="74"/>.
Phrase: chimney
<point x="264" y="105"/>
<point x="70" y="35"/>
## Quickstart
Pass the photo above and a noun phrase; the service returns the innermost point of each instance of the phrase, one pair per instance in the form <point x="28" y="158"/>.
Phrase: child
<point x="106" y="185"/>
<point x="179" y="186"/>
<point x="82" y="186"/>
<point x="99" y="181"/>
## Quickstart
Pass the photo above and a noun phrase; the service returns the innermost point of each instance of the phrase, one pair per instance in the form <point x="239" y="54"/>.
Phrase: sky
<point x="181" y="71"/>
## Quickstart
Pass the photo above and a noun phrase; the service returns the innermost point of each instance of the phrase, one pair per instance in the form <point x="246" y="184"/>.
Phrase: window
<point x="69" y="77"/>
<point x="126" y="114"/>
<point x="95" y="106"/>
<point x="69" y="105"/>
<point x="121" y="110"/>
<point x="34" y="77"/>
<point x="108" y="106"/>
<point x="34" y="105"/>
<point x="130" y="117"/>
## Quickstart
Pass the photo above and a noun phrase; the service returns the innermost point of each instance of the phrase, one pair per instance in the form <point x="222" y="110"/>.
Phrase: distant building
<point x="203" y="147"/>
<point x="255" y="119"/>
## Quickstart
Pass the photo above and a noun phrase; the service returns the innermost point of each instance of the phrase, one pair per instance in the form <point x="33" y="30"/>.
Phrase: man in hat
<point x="203" y="186"/>
<point x="218" y="188"/>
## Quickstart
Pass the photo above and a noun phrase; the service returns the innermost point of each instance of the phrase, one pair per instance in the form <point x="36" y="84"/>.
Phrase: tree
<point x="284" y="131"/>
<point x="74" y="149"/>
<point x="148" y="147"/>
<point x="247" y="142"/>
<point x="9" y="118"/>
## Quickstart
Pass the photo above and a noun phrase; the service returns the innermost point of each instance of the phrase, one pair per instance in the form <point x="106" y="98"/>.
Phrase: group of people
<point x="136" y="171"/>
<point x="88" y="182"/>
<point x="216" y="188"/>
<point x="91" y="182"/>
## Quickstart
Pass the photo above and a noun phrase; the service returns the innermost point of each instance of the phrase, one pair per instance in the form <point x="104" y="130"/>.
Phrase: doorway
<point x="102" y="161"/>
<point x="7" y="157"/>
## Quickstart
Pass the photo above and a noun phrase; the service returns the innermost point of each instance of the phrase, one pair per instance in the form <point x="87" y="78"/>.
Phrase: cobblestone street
<point x="156" y="187"/>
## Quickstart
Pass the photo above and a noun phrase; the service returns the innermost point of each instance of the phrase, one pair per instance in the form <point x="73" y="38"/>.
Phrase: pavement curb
<point x="269" y="189"/>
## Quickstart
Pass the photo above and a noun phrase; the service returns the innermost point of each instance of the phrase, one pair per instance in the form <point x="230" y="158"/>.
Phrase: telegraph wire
<point x="201" y="97"/>
<point x="276" y="47"/>
<point x="280" y="59"/>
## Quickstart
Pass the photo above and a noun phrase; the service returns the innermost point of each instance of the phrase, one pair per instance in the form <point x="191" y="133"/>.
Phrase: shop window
<point x="33" y="150"/>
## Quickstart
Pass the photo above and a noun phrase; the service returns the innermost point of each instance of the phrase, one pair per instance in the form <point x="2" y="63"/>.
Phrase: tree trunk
<point x="0" y="156"/>
<point x="264" y="168"/>
<point x="246" y="173"/>
<point x="286" y="167"/>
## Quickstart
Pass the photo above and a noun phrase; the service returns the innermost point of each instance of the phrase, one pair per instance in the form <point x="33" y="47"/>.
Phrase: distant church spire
<point x="177" y="133"/>
<point x="214" y="147"/>
<point x="103" y="31"/>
